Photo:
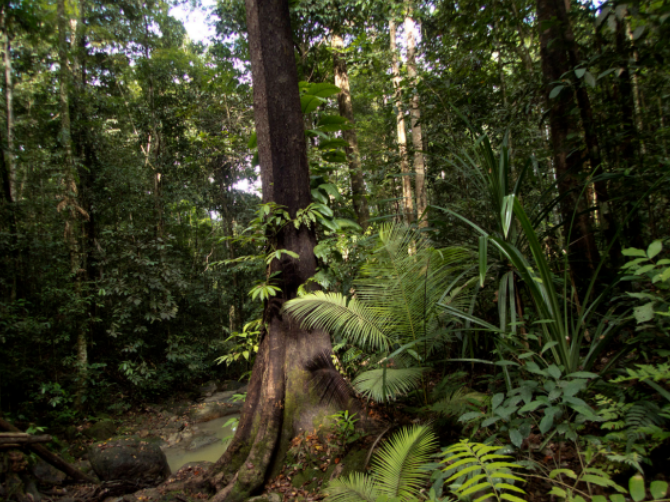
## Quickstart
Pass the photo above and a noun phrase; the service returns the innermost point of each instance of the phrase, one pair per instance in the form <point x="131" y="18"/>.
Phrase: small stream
<point x="208" y="434"/>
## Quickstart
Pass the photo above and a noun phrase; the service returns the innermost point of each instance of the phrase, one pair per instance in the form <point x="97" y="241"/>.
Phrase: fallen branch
<point x="49" y="457"/>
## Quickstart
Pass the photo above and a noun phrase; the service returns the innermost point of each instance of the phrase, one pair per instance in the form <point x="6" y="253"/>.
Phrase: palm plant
<point x="397" y="470"/>
<point x="393" y="312"/>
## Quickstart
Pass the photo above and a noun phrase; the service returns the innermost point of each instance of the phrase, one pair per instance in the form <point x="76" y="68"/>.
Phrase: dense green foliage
<point x="134" y="249"/>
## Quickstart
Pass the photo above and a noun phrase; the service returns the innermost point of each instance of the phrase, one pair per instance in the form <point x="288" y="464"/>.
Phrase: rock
<point x="232" y="385"/>
<point x="104" y="429"/>
<point x="129" y="460"/>
<point x="46" y="474"/>
<point x="219" y="397"/>
<point x="208" y="389"/>
<point x="267" y="497"/>
<point x="202" y="441"/>
<point x="209" y="411"/>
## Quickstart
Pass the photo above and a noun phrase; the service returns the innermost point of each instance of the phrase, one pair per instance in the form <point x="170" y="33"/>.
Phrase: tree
<point x="581" y="244"/>
<point x="282" y="399"/>
<point x="407" y="196"/>
<point x="417" y="137"/>
<point x="347" y="111"/>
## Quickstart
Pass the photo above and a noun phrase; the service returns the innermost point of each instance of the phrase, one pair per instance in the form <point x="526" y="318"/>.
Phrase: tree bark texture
<point x="346" y="109"/>
<point x="590" y="133"/>
<point x="285" y="393"/>
<point x="407" y="196"/>
<point x="415" y="113"/>
<point x="582" y="249"/>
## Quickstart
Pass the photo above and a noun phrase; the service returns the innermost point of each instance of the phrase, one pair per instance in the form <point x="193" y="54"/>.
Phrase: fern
<point x="394" y="309"/>
<point x="482" y="472"/>
<point x="398" y="470"/>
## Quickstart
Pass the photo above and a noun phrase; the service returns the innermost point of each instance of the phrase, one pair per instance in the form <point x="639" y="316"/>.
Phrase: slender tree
<point x="69" y="203"/>
<point x="346" y="109"/>
<point x="583" y="252"/>
<point x="415" y="113"/>
<point x="407" y="195"/>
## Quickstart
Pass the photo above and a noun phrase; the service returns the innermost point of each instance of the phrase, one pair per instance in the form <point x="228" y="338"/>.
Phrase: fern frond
<point x="480" y="469"/>
<point x="398" y="466"/>
<point x="385" y="384"/>
<point x="357" y="487"/>
<point x="333" y="313"/>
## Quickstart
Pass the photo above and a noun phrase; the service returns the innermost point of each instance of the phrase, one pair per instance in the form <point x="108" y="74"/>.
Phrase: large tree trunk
<point x="417" y="139"/>
<point x="582" y="249"/>
<point x="69" y="204"/>
<point x="347" y="111"/>
<point x="407" y="196"/>
<point x="283" y="398"/>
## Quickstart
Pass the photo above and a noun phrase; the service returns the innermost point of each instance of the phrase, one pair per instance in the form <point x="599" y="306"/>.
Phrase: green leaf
<point x="322" y="89"/>
<point x="554" y="372"/>
<point x="617" y="498"/>
<point x="532" y="406"/>
<point x="654" y="248"/>
<point x="579" y="72"/>
<point x="636" y="488"/>
<point x="497" y="400"/>
<point x="599" y="498"/>
<point x="546" y="423"/>
<point x="515" y="437"/>
<point x="319" y="196"/>
<point x="511" y="498"/>
<point x="332" y="123"/>
<point x="483" y="244"/>
<point x="253" y="141"/>
<point x="638" y="32"/>
<point x="644" y="313"/>
<point x="658" y="489"/>
<point x="331" y="190"/>
<point x="333" y="143"/>
<point x="309" y="103"/>
<point x="590" y="79"/>
<point x="334" y="156"/>
<point x="633" y="252"/>
<point x="556" y="91"/>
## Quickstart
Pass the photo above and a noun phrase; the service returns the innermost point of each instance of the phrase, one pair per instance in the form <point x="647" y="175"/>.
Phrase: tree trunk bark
<point x="69" y="203"/>
<point x="8" y="159"/>
<point x="353" y="153"/>
<point x="417" y="139"/>
<point x="9" y="103"/>
<point x="284" y="397"/>
<point x="408" y="198"/>
<point x="582" y="249"/>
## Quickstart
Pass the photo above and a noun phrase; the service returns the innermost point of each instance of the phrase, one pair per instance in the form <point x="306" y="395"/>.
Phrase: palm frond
<point x="398" y="466"/>
<point x="357" y="487"/>
<point x="332" y="312"/>
<point x="386" y="384"/>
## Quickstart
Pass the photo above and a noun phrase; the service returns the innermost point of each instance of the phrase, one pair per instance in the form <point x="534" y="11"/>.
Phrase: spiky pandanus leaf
<point x="398" y="466"/>
<point x="384" y="384"/>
